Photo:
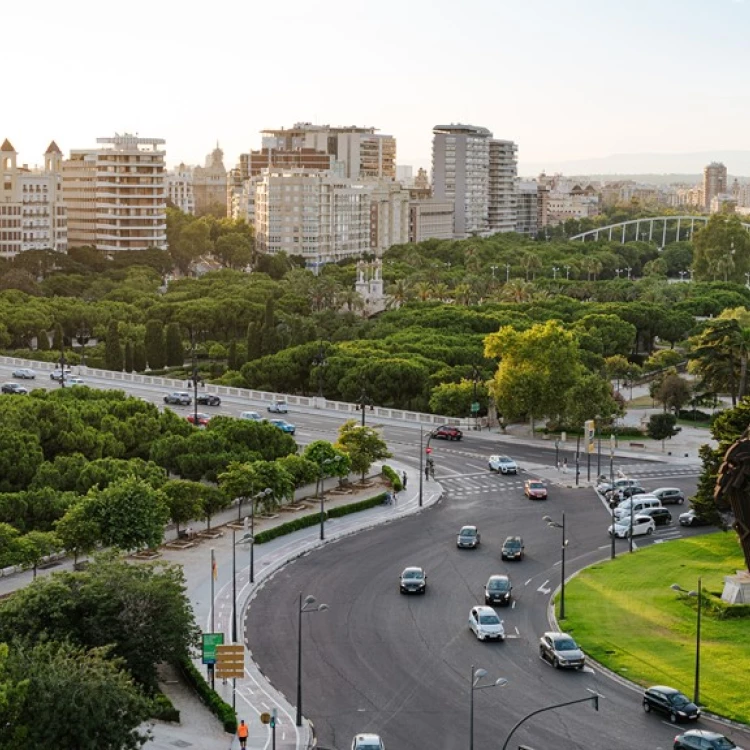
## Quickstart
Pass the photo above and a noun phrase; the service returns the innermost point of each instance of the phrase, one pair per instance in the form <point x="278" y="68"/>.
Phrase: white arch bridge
<point x="661" y="229"/>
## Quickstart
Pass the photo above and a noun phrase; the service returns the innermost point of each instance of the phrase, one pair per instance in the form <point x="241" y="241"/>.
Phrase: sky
<point x="565" y="80"/>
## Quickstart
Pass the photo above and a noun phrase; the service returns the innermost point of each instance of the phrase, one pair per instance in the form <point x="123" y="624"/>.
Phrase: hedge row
<point x="224" y="712"/>
<point x="393" y="478"/>
<point x="163" y="709"/>
<point x="314" y="518"/>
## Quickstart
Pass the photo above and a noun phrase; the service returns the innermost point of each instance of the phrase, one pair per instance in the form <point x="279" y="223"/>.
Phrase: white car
<point x="279" y="407"/>
<point x="367" y="742"/>
<point x="485" y="624"/>
<point x="503" y="465"/>
<point x="619" y="484"/>
<point x="252" y="416"/>
<point x="623" y="509"/>
<point x="641" y="525"/>
<point x="74" y="381"/>
<point x="58" y="374"/>
<point x="24" y="373"/>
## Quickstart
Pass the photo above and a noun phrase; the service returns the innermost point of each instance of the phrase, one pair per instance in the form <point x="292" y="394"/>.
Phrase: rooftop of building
<point x="460" y="128"/>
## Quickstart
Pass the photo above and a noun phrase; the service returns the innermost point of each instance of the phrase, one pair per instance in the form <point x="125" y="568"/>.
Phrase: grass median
<point x="625" y="615"/>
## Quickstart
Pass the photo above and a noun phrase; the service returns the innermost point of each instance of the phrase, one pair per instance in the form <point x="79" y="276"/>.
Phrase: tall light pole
<point x="567" y="273"/>
<point x="476" y="676"/>
<point x="493" y="269"/>
<point x="628" y="269"/>
<point x="699" y="595"/>
<point x="195" y="379"/>
<point x="421" y="459"/>
<point x="618" y="271"/>
<point x="560" y="525"/>
<point x="364" y="400"/>
<point x="249" y="537"/>
<point x="309" y="605"/>
<point x="682" y="275"/>
<point x="507" y="272"/>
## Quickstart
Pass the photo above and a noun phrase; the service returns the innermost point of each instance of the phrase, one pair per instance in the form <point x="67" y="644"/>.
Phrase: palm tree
<point x="398" y="293"/>
<point x="463" y="294"/>
<point x="423" y="290"/>
<point x="516" y="290"/>
<point x="593" y="267"/>
<point x="441" y="291"/>
<point x="531" y="263"/>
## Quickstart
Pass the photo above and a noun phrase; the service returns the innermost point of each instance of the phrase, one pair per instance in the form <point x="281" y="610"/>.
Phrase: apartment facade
<point x="503" y="168"/>
<point x="714" y="182"/>
<point x="527" y="207"/>
<point x="33" y="215"/>
<point x="210" y="185"/>
<point x="389" y="216"/>
<point x="117" y="194"/>
<point x="178" y="184"/>
<point x="317" y="215"/>
<point x="430" y="218"/>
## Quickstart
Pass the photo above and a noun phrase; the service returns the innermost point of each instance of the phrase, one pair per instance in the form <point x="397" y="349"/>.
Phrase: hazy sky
<point x="564" y="79"/>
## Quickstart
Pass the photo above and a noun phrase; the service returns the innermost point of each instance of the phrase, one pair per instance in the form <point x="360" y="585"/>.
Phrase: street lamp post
<point x="555" y="269"/>
<point x="699" y="595"/>
<point x="493" y="269"/>
<point x="364" y="400"/>
<point x="195" y="382"/>
<point x="628" y="269"/>
<point x="476" y="676"/>
<point x="567" y="273"/>
<point x="326" y="462"/>
<point x="682" y="275"/>
<point x="507" y="272"/>
<point x="309" y="605"/>
<point x="560" y="525"/>
<point x="618" y="271"/>
<point x="250" y="537"/>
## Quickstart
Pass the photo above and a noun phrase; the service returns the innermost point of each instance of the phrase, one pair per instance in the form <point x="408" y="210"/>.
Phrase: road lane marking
<point x="543" y="590"/>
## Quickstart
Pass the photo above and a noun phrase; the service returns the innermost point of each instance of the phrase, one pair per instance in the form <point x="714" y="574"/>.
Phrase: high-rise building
<point x="210" y="185"/>
<point x="116" y="194"/>
<point x="430" y="218"/>
<point x="179" y="186"/>
<point x="477" y="173"/>
<point x="251" y="164"/>
<point x="714" y="182"/>
<point x="314" y="214"/>
<point x="389" y="216"/>
<point x="33" y="215"/>
<point x="527" y="207"/>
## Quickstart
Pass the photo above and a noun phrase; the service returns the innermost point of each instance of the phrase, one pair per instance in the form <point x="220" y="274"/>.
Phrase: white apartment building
<point x="389" y="215"/>
<point x="118" y="197"/>
<point x="502" y="186"/>
<point x="430" y="218"/>
<point x="317" y="215"/>
<point x="178" y="184"/>
<point x="33" y="215"/>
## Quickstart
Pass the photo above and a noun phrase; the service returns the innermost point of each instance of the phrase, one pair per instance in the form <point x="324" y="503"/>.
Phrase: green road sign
<point x="210" y="642"/>
<point x="475" y="407"/>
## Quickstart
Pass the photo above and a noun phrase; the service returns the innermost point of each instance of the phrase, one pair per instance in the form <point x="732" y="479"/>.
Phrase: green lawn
<point x="624" y="614"/>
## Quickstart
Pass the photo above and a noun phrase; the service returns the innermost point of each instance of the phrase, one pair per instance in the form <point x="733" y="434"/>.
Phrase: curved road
<point x="400" y="666"/>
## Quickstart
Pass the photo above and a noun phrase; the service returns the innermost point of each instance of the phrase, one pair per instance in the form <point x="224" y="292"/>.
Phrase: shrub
<point x="220" y="708"/>
<point x="163" y="709"/>
<point x="694" y="416"/>
<point x="393" y="478"/>
<point x="345" y="510"/>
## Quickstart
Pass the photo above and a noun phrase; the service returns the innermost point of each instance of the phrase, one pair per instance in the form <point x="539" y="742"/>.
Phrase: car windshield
<point x="368" y="746"/>
<point x="413" y="574"/>
<point x="489" y="619"/>
<point x="722" y="743"/>
<point x="678" y="699"/>
<point x="505" y="459"/>
<point x="536" y="485"/>
<point x="468" y="531"/>
<point x="498" y="584"/>
<point x="512" y="544"/>
<point x="565" y="644"/>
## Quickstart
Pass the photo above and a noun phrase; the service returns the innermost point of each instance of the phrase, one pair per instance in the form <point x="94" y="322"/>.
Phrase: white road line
<point x="528" y="582"/>
<point x="542" y="589"/>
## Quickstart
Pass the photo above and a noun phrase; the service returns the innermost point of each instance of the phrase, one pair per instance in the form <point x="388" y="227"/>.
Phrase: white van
<point x="636" y="504"/>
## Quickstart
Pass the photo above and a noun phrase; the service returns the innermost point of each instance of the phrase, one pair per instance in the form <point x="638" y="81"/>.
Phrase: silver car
<point x="561" y="651"/>
<point x="503" y="465"/>
<point x="24" y="373"/>
<point x="468" y="537"/>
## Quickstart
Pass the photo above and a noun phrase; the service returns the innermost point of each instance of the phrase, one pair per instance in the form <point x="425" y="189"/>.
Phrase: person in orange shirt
<point x="242" y="732"/>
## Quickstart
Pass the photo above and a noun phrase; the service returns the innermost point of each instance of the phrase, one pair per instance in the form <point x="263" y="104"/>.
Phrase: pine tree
<point x="42" y="341"/>
<point x="139" y="357"/>
<point x="154" y="345"/>
<point x="269" y="340"/>
<point x="175" y="352"/>
<point x="58" y="340"/>
<point x="129" y="356"/>
<point x="113" y="348"/>
<point x="253" y="342"/>
<point x="232" y="356"/>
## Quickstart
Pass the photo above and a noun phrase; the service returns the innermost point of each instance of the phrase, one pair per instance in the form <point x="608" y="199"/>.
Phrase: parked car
<point x="75" y="380"/>
<point x="413" y="581"/>
<point x="535" y="489"/>
<point x="468" y="537"/>
<point x="485" y="624"/>
<point x="208" y="399"/>
<point x="691" y="518"/>
<point x="58" y="374"/>
<point x="661" y="516"/>
<point x="673" y="703"/>
<point x="283" y="425"/>
<point x="624" y="493"/>
<point x="447" y="432"/>
<point x="178" y="397"/>
<point x="606" y="487"/>
<point x="24" y="373"/>
<point x="279" y="407"/>
<point x="503" y="465"/>
<point x="702" y="739"/>
<point x="199" y="420"/>
<point x="367" y="742"/>
<point x="498" y="590"/>
<point x="512" y="548"/>
<point x="253" y="416"/>
<point x="561" y="651"/>
<point x="14" y="388"/>
<point x="641" y="525"/>
<point x="669" y="495"/>
<point x="635" y="504"/>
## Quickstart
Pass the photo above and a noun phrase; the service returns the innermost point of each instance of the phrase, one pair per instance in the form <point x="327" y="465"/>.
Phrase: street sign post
<point x="230" y="661"/>
<point x="209" y="642"/>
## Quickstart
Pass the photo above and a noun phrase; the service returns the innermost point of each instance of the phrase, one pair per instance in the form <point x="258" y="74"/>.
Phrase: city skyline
<point x="563" y="87"/>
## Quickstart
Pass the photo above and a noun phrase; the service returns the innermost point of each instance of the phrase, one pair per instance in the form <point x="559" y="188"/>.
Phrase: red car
<point x="201" y="421"/>
<point x="535" y="490"/>
<point x="447" y="432"/>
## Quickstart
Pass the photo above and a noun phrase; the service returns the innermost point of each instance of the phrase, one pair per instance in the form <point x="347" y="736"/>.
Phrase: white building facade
<point x="33" y="215"/>
<point x="503" y="169"/>
<point x="178" y="184"/>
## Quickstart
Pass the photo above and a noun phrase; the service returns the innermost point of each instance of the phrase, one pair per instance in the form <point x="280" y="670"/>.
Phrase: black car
<point x="701" y="739"/>
<point x="498" y="590"/>
<point x="670" y="702"/>
<point x="14" y="388"/>
<point x="413" y="580"/>
<point x="661" y="516"/>
<point x="512" y="548"/>
<point x="617" y="496"/>
<point x="208" y="399"/>
<point x="447" y="432"/>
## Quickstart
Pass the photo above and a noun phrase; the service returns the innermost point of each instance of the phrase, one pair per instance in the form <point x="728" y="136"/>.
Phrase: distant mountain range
<point x="653" y="168"/>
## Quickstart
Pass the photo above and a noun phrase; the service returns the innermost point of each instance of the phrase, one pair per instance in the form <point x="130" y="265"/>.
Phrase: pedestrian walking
<point x="427" y="471"/>
<point x="565" y="466"/>
<point x="403" y="480"/>
<point x="242" y="733"/>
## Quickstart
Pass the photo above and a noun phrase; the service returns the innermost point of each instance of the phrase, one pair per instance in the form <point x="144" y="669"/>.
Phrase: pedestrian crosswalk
<point x="646" y="470"/>
<point x="476" y="484"/>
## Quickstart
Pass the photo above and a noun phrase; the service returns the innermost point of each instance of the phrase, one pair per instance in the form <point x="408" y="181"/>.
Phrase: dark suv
<point x="669" y="495"/>
<point x="208" y="399"/>
<point x="670" y="702"/>
<point x="661" y="516"/>
<point x="447" y="432"/>
<point x="512" y="548"/>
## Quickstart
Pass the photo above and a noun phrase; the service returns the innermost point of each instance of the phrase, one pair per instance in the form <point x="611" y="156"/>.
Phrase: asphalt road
<point x="400" y="666"/>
